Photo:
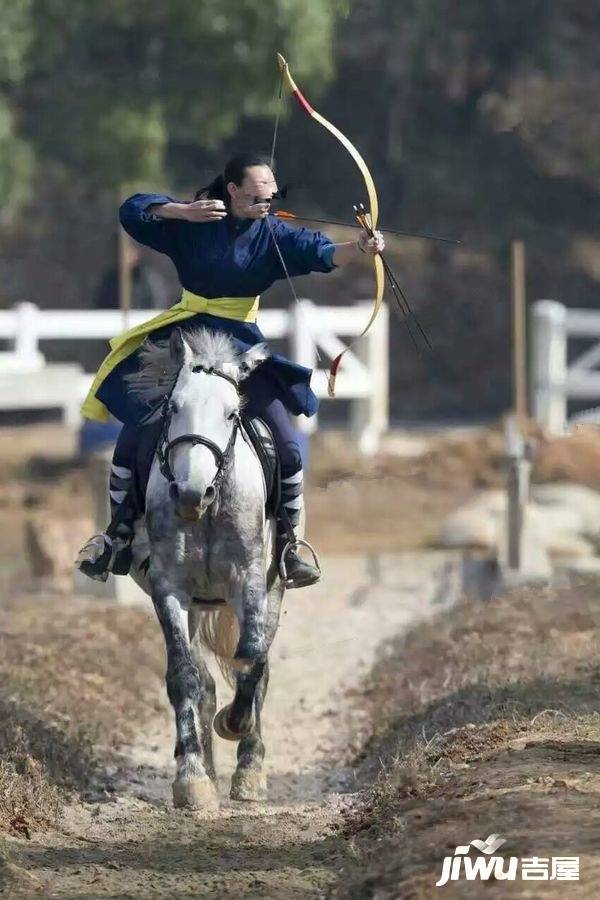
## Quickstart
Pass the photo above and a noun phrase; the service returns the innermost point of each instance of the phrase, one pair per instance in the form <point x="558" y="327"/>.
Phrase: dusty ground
<point x="491" y="711"/>
<point x="126" y="840"/>
<point x="487" y="720"/>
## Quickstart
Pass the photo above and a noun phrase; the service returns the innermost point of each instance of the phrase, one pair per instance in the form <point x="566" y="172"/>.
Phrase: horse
<point x="205" y="552"/>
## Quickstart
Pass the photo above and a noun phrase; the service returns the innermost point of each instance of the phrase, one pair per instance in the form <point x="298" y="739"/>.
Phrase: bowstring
<point x="269" y="225"/>
<point x="318" y="356"/>
<point x="277" y="118"/>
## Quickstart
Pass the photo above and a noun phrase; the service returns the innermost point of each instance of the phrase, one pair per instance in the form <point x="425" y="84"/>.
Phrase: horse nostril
<point x="188" y="496"/>
<point x="173" y="491"/>
<point x="209" y="495"/>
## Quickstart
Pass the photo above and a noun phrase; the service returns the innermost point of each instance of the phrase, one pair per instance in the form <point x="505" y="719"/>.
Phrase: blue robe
<point x="227" y="258"/>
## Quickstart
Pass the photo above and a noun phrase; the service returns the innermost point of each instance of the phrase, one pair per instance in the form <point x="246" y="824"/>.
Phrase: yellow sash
<point x="241" y="309"/>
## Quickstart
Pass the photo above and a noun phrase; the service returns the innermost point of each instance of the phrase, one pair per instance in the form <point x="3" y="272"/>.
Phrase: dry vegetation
<point x="486" y="720"/>
<point x="388" y="503"/>
<point x="392" y="503"/>
<point x="76" y="680"/>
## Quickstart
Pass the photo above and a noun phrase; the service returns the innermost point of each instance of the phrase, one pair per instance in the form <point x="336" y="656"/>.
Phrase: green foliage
<point x="16" y="33"/>
<point x="16" y="166"/>
<point x="105" y="85"/>
<point x="16" y="157"/>
<point x="464" y="49"/>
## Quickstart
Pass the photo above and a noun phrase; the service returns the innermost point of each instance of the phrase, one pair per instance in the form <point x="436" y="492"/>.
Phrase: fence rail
<point x="26" y="381"/>
<point x="556" y="380"/>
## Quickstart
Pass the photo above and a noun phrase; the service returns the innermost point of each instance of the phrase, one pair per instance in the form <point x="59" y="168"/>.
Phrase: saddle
<point x="254" y="430"/>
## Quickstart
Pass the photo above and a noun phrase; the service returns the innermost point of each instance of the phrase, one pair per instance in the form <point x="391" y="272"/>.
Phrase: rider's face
<point x="258" y="184"/>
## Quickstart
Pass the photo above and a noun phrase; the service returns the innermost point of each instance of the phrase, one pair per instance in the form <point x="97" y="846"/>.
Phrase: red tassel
<point x="333" y="370"/>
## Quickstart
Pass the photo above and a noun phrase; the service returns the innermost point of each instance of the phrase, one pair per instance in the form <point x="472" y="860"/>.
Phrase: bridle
<point x="165" y="446"/>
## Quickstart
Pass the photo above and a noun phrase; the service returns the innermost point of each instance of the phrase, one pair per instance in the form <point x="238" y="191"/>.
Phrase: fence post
<point x="303" y="352"/>
<point x="27" y="335"/>
<point x="519" y="469"/>
<point x="519" y="341"/>
<point x="549" y="363"/>
<point x="370" y="415"/>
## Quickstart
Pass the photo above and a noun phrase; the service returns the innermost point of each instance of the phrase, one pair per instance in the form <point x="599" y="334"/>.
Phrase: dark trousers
<point x="260" y="403"/>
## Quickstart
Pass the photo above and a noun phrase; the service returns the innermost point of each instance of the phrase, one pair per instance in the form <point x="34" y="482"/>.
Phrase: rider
<point x="227" y="250"/>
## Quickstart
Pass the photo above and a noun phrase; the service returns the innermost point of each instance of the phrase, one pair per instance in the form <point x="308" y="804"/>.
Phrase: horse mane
<point x="158" y="371"/>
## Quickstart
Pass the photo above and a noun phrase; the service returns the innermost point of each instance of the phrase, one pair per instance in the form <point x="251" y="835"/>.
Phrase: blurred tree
<point x="457" y="69"/>
<point x="16" y="157"/>
<point x="103" y="85"/>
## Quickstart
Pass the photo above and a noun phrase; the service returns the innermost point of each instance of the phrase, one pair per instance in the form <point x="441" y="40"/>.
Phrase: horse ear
<point x="180" y="350"/>
<point x="252" y="358"/>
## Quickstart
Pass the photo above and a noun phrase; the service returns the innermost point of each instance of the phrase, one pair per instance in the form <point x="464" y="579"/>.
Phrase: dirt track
<point x="129" y="842"/>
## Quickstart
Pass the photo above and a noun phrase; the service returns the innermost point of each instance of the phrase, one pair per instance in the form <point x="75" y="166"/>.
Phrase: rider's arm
<point x="346" y="253"/>
<point x="139" y="218"/>
<point x="350" y="251"/>
<point x="303" y="250"/>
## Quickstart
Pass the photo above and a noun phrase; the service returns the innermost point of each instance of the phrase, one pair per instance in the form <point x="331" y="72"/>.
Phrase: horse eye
<point x="232" y="414"/>
<point x="173" y="407"/>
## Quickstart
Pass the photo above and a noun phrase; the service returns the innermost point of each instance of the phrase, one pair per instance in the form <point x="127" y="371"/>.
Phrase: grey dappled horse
<point x="208" y="540"/>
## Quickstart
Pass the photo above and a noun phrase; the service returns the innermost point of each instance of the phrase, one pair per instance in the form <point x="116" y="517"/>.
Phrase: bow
<point x="373" y="213"/>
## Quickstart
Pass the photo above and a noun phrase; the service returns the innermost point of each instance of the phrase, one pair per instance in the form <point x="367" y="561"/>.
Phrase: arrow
<point x="284" y="214"/>
<point x="364" y="222"/>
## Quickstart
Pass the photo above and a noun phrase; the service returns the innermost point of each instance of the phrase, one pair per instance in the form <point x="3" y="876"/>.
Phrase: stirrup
<point x="95" y="557"/>
<point x="293" y="545"/>
<point x="102" y="556"/>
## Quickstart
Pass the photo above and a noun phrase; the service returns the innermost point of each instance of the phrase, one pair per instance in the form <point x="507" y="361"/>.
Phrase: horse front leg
<point x="237" y="719"/>
<point x="192" y="786"/>
<point x="248" y="782"/>
<point x="208" y="707"/>
<point x="241" y="720"/>
<point x="250" y="602"/>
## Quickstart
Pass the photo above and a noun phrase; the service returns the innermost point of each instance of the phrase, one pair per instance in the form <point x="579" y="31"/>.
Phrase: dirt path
<point x="127" y="841"/>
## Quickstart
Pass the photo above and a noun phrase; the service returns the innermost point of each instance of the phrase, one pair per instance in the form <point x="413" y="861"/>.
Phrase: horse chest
<point x="212" y="559"/>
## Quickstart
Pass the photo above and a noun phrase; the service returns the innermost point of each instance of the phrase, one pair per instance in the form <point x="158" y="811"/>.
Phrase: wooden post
<point x="125" y="283"/>
<point x="519" y="314"/>
<point x="124" y="277"/>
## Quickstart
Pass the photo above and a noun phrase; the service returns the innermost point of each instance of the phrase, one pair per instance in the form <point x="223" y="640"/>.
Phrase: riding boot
<point x="110" y="551"/>
<point x="296" y="572"/>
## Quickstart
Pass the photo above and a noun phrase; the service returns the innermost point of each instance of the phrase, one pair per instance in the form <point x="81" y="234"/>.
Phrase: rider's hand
<point x="203" y="211"/>
<point x="375" y="244"/>
<point x="258" y="210"/>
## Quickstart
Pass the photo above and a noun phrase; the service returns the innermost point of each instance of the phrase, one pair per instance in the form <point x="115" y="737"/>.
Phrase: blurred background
<point x="479" y="122"/>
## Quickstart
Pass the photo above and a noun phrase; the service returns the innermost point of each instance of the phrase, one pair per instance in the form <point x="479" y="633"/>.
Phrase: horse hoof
<point x="224" y="731"/>
<point x="194" y="793"/>
<point x="248" y="784"/>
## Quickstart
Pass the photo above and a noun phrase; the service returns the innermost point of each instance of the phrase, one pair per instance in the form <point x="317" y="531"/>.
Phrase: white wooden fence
<point x="555" y="380"/>
<point x="27" y="382"/>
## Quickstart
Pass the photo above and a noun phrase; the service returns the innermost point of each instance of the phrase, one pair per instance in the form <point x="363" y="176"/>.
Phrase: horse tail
<point x="219" y="632"/>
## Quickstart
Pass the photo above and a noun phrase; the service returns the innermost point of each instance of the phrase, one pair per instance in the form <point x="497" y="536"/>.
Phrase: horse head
<point x="202" y="417"/>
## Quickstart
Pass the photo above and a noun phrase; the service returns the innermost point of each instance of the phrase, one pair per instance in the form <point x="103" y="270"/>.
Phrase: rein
<point x="165" y="446"/>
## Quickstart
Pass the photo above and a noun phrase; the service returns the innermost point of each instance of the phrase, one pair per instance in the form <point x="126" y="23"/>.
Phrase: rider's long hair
<point x="235" y="170"/>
